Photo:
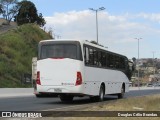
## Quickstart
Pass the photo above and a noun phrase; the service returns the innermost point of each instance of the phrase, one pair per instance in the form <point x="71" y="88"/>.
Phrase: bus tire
<point x="101" y="93"/>
<point x="100" y="97"/>
<point x="121" y="95"/>
<point x="39" y="95"/>
<point x="66" y="98"/>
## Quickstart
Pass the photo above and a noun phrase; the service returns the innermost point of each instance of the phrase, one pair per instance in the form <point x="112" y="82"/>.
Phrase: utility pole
<point x="138" y="61"/>
<point x="154" y="67"/>
<point x="97" y="10"/>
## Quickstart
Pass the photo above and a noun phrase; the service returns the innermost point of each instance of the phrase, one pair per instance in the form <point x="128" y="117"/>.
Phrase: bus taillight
<point x="79" y="79"/>
<point x="38" y="78"/>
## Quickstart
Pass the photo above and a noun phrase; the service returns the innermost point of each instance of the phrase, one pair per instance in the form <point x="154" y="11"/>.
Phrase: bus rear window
<point x="59" y="51"/>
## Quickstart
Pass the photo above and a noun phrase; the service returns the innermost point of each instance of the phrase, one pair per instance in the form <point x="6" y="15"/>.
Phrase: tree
<point x="134" y="60"/>
<point x="8" y="9"/>
<point x="27" y="13"/>
<point x="1" y="10"/>
<point x="41" y="21"/>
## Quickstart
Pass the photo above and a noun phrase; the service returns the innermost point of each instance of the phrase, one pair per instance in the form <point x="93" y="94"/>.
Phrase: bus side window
<point x="91" y="56"/>
<point x="123" y="63"/>
<point x="104" y="59"/>
<point x="99" y="58"/>
<point x="95" y="52"/>
<point x="107" y="60"/>
<point x="111" y="61"/>
<point x="117" y="64"/>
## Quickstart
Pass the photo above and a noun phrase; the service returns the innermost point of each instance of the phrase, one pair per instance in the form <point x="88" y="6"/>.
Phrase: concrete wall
<point x="11" y="92"/>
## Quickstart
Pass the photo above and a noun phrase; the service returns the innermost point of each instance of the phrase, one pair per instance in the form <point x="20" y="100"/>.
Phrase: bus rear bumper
<point x="60" y="89"/>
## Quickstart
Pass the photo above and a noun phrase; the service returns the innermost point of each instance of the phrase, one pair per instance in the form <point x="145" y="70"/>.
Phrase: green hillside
<point x="17" y="47"/>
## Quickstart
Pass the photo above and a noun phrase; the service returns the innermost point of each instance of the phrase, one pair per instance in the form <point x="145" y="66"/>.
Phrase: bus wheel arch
<point x="124" y="87"/>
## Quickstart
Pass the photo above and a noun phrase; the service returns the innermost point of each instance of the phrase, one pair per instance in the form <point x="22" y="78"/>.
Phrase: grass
<point x="145" y="103"/>
<point x="148" y="103"/>
<point x="17" y="47"/>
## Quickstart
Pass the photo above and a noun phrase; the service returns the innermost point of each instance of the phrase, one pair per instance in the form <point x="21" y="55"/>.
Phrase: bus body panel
<point x="113" y="80"/>
<point x="59" y="74"/>
<point x="58" y="71"/>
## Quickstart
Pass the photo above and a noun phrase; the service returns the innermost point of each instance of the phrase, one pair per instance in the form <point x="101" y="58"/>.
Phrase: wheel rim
<point x="101" y="94"/>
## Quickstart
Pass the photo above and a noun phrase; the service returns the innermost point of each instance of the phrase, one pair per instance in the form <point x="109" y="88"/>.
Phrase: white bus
<point x="71" y="68"/>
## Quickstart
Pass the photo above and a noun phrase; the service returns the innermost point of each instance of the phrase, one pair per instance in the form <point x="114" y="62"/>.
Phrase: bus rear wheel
<point x="100" y="97"/>
<point x="101" y="93"/>
<point x="66" y="98"/>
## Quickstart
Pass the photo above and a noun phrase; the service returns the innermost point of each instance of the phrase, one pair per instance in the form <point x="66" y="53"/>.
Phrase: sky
<point x="119" y="24"/>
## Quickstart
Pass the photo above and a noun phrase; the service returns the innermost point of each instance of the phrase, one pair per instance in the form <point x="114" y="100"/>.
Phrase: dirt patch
<point x="4" y="27"/>
<point x="138" y="104"/>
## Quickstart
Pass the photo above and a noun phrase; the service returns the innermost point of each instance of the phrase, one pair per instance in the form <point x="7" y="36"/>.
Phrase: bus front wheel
<point x="121" y="95"/>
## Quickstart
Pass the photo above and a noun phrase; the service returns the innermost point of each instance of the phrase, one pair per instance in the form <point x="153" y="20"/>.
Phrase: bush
<point x="17" y="49"/>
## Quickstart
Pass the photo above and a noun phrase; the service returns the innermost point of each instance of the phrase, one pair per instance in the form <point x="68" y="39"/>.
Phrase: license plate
<point x="57" y="90"/>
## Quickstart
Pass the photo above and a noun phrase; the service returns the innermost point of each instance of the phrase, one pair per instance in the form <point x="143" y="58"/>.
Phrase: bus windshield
<point x="60" y="50"/>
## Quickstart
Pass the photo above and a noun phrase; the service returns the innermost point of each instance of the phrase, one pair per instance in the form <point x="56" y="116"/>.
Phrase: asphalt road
<point x="31" y="103"/>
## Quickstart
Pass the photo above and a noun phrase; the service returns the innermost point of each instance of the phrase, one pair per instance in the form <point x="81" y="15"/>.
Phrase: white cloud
<point x="116" y="32"/>
<point x="152" y="16"/>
